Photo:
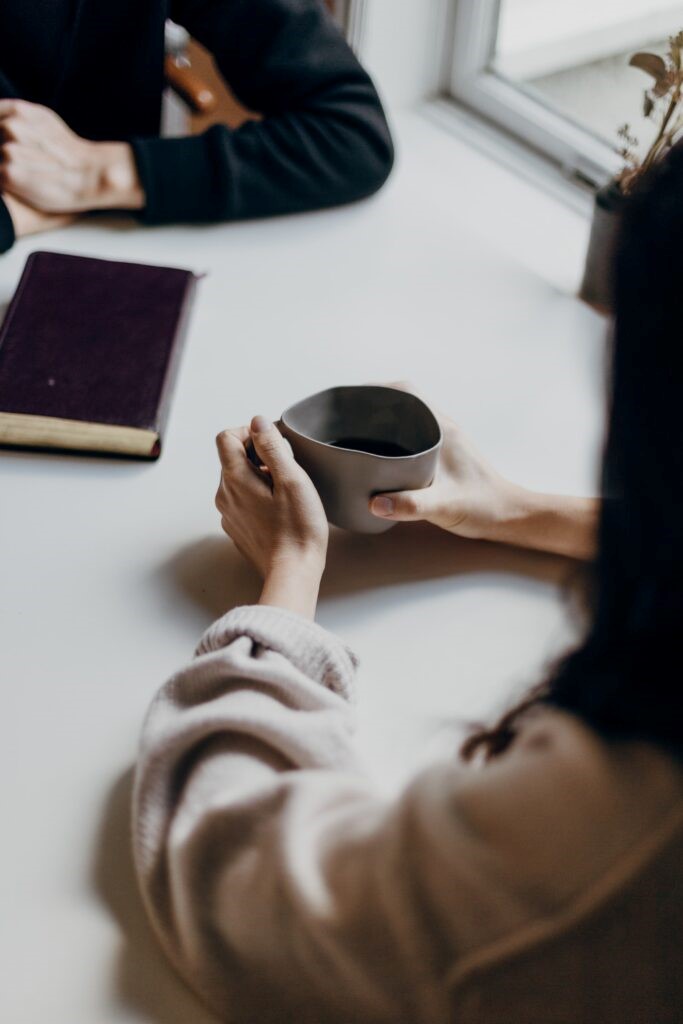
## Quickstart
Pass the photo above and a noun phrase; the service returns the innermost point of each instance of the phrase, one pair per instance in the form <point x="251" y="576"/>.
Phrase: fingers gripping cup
<point x="355" y="442"/>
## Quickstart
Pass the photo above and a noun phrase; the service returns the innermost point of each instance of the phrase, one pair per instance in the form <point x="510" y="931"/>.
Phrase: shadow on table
<point x="143" y="979"/>
<point x="213" y="575"/>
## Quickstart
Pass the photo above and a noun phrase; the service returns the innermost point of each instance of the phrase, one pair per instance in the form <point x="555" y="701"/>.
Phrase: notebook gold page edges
<point x="48" y="432"/>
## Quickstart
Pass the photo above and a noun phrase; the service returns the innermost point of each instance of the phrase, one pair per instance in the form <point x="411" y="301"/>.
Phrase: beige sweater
<point x="545" y="887"/>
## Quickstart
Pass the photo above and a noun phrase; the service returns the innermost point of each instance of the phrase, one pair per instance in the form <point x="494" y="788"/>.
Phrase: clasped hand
<point x="48" y="174"/>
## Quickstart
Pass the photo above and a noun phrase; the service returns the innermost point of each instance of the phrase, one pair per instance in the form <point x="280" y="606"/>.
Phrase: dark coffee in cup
<point x="366" y="444"/>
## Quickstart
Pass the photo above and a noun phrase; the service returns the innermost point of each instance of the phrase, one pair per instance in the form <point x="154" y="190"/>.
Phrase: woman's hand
<point x="273" y="515"/>
<point x="471" y="499"/>
<point x="50" y="168"/>
<point x="468" y="497"/>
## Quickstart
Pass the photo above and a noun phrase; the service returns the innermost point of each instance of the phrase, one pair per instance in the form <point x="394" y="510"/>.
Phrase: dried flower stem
<point x="668" y="82"/>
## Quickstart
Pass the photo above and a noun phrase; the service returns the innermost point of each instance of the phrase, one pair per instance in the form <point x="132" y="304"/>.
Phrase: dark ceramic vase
<point x="598" y="283"/>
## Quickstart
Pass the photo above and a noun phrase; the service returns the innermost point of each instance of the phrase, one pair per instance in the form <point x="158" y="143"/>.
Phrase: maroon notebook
<point x="89" y="350"/>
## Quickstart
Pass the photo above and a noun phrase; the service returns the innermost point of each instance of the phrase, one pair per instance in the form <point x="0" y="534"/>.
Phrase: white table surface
<point x="458" y="277"/>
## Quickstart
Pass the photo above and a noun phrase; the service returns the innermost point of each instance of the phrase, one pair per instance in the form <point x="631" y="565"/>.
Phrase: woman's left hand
<point x="273" y="515"/>
<point x="47" y="166"/>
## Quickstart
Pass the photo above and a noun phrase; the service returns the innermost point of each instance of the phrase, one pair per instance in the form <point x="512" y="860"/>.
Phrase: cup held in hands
<point x="355" y="442"/>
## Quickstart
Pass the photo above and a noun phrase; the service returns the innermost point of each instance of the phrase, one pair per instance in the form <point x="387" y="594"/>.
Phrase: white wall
<point x="400" y="41"/>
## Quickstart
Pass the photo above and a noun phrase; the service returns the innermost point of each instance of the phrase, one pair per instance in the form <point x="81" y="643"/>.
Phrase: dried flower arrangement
<point x="662" y="105"/>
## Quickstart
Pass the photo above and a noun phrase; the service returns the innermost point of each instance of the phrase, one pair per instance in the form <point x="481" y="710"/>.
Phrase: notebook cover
<point x="94" y="340"/>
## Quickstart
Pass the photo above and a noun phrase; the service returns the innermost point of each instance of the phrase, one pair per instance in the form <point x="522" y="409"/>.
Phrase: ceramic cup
<point x="355" y="442"/>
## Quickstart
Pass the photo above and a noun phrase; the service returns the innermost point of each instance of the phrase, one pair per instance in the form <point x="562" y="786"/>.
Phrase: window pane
<point x="573" y="55"/>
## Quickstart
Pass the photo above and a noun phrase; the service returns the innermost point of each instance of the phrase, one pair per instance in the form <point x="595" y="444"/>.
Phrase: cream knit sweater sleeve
<point x="279" y="883"/>
<point x="285" y="889"/>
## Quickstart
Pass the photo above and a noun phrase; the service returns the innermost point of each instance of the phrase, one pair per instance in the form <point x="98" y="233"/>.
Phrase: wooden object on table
<point x="227" y="109"/>
<point x="190" y="86"/>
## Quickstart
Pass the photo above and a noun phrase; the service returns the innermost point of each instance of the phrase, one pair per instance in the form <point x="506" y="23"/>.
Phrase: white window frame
<point x="351" y="15"/>
<point x="475" y="85"/>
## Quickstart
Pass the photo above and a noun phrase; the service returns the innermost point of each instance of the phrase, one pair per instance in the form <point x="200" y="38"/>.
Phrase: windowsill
<point x="509" y="154"/>
<point x="519" y="201"/>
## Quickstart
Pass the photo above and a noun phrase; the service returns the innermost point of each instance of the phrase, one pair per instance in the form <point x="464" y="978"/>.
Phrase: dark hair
<point x="625" y="679"/>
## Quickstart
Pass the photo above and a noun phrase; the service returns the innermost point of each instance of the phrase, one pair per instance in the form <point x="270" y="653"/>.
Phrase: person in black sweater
<point x="81" y="83"/>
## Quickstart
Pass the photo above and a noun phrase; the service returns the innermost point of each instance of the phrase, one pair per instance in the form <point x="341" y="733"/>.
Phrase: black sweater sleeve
<point x="323" y="139"/>
<point x="6" y="228"/>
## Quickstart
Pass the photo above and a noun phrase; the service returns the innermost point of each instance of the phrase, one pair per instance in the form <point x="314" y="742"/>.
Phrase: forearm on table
<point x="111" y="182"/>
<point x="261" y="679"/>
<point x="323" y="138"/>
<point x="250" y="866"/>
<point x="554" y="523"/>
<point x="222" y="744"/>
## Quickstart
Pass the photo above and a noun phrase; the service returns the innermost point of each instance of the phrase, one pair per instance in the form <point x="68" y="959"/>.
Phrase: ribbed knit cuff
<point x="309" y="647"/>
<point x="178" y="177"/>
<point x="7" y="236"/>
